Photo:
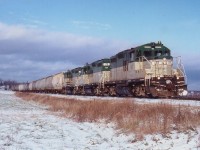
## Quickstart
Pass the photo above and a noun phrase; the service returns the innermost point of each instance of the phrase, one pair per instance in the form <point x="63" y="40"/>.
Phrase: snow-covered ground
<point x="26" y="125"/>
<point x="137" y="100"/>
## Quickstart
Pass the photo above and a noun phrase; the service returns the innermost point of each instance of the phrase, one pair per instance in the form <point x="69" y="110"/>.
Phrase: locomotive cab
<point x="68" y="78"/>
<point x="98" y="75"/>
<point x="101" y="71"/>
<point x="87" y="74"/>
<point x="162" y="77"/>
<point x="153" y="51"/>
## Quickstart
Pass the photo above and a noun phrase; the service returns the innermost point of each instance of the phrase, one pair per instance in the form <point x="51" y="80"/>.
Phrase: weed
<point x="126" y="114"/>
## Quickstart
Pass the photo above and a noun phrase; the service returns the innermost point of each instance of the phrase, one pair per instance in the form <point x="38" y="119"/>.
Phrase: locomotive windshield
<point x="151" y="51"/>
<point x="148" y="54"/>
<point x="158" y="53"/>
<point x="162" y="54"/>
<point x="152" y="54"/>
<point x="101" y="65"/>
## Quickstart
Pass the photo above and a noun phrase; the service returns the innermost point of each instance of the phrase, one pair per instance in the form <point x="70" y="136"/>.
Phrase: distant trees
<point x="1" y="82"/>
<point x="7" y="83"/>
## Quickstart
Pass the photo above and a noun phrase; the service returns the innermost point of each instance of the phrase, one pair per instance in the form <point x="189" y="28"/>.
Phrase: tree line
<point x="7" y="83"/>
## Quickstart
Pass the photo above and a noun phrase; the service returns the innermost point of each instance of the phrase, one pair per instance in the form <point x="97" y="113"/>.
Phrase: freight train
<point x="148" y="70"/>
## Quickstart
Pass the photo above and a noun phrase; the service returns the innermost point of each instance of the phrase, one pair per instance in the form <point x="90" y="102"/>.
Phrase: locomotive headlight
<point x="106" y="64"/>
<point x="164" y="61"/>
<point x="158" y="90"/>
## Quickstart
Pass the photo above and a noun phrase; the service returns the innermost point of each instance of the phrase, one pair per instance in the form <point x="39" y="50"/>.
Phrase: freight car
<point x="148" y="70"/>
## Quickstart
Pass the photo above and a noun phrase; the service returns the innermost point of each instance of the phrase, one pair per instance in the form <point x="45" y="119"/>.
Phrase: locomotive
<point x="148" y="70"/>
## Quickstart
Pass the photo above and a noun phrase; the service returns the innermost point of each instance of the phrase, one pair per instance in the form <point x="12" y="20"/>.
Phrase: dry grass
<point x="129" y="117"/>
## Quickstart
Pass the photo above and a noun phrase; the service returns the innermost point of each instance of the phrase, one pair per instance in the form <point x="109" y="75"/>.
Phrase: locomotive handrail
<point x="143" y="57"/>
<point x="181" y="67"/>
<point x="147" y="81"/>
<point x="146" y="59"/>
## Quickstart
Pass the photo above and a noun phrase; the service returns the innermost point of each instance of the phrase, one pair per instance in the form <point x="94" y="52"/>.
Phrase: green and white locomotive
<point x="148" y="70"/>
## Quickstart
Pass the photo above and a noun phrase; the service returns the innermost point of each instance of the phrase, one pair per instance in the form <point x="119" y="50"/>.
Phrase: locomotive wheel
<point x="112" y="91"/>
<point x="74" y="91"/>
<point x="106" y="91"/>
<point x="83" y="92"/>
<point x="138" y="91"/>
<point x="96" y="91"/>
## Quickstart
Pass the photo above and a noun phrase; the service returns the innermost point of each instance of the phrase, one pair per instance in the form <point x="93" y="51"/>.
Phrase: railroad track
<point x="188" y="98"/>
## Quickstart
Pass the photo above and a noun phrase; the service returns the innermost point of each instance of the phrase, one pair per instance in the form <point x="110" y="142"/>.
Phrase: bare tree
<point x="1" y="82"/>
<point x="8" y="83"/>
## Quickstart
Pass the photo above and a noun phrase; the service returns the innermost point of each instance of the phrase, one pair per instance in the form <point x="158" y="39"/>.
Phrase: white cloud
<point x="34" y="21"/>
<point x="91" y="24"/>
<point x="27" y="53"/>
<point x="11" y="32"/>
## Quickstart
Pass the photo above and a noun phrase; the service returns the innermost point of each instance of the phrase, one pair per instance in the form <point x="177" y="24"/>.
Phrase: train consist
<point x="148" y="70"/>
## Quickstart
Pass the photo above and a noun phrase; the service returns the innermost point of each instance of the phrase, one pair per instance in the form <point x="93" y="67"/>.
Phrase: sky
<point x="42" y="37"/>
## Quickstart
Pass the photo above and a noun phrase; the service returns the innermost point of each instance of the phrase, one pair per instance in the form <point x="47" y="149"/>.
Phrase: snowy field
<point x="26" y="125"/>
<point x="137" y="100"/>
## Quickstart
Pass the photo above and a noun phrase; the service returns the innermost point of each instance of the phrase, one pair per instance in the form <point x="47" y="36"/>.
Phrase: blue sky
<point x="94" y="25"/>
<point x="126" y="20"/>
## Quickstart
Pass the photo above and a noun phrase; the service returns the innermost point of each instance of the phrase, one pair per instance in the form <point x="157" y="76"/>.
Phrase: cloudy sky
<point x="43" y="37"/>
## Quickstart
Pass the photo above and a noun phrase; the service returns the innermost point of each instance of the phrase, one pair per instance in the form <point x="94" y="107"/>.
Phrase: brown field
<point x="128" y="116"/>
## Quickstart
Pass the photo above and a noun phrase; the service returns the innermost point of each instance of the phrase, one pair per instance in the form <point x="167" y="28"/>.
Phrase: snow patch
<point x="137" y="100"/>
<point x="27" y="125"/>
